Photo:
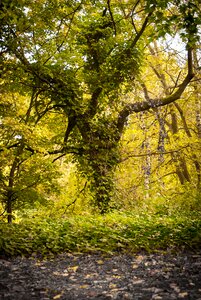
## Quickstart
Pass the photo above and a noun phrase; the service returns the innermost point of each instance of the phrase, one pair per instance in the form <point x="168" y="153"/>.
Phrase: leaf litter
<point x="95" y="276"/>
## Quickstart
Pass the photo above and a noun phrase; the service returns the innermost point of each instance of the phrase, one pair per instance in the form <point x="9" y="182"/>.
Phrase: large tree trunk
<point x="102" y="186"/>
<point x="99" y="160"/>
<point x="101" y="167"/>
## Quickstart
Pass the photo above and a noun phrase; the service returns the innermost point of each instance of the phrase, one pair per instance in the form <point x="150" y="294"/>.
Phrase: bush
<point x="110" y="233"/>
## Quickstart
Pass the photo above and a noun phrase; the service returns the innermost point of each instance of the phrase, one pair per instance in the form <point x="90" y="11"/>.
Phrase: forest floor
<point x="95" y="276"/>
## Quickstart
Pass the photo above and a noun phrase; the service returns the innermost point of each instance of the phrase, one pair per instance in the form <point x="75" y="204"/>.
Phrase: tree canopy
<point x="69" y="72"/>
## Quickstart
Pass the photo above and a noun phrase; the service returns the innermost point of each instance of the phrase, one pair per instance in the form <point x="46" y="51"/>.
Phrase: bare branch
<point x="111" y="15"/>
<point x="60" y="156"/>
<point x="154" y="103"/>
<point x="153" y="153"/>
<point x="144" y="26"/>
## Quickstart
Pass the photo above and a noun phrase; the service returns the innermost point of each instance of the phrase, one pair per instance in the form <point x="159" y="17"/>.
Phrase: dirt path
<point x="140" y="276"/>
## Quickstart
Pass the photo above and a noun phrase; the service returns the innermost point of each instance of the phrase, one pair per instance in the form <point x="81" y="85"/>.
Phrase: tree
<point x="26" y="177"/>
<point x="81" y="58"/>
<point x="170" y="165"/>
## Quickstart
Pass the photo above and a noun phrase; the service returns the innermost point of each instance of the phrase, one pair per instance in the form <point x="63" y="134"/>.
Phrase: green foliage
<point x="112" y="233"/>
<point x="67" y="69"/>
<point x="27" y="176"/>
<point x="176" y="16"/>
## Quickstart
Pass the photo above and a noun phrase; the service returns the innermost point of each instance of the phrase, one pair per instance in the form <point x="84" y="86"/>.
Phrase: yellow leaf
<point x="139" y="257"/>
<point x="57" y="296"/>
<point x="135" y="266"/>
<point x="84" y="286"/>
<point x="74" y="269"/>
<point x="112" y="286"/>
<point x="116" y="276"/>
<point x="100" y="262"/>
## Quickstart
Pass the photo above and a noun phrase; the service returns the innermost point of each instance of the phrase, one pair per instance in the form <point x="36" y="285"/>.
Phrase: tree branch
<point x="144" y="25"/>
<point x="94" y="102"/>
<point x="72" y="120"/>
<point x="111" y="15"/>
<point x="153" y="153"/>
<point x="154" y="103"/>
<point x="9" y="147"/>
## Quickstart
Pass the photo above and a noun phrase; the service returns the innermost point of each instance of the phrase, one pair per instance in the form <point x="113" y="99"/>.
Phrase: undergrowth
<point x="114" y="232"/>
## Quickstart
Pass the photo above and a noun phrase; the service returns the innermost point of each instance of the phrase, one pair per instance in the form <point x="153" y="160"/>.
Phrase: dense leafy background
<point x="99" y="113"/>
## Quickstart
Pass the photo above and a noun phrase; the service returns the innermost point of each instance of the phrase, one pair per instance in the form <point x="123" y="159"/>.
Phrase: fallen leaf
<point x="135" y="266"/>
<point x="175" y="287"/>
<point x="57" y="296"/>
<point x="156" y="297"/>
<point x="116" y="276"/>
<point x="114" y="270"/>
<point x="100" y="262"/>
<point x="112" y="286"/>
<point x="139" y="257"/>
<point x="88" y="275"/>
<point x="182" y="295"/>
<point x="139" y="281"/>
<point x="85" y="286"/>
<point x="74" y="268"/>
